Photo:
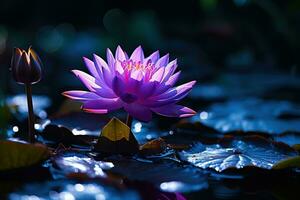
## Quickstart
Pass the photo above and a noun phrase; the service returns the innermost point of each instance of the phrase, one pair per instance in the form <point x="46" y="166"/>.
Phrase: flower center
<point x="129" y="65"/>
<point x="129" y="98"/>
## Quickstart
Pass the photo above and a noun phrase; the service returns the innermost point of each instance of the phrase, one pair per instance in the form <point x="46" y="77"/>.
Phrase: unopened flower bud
<point x="26" y="66"/>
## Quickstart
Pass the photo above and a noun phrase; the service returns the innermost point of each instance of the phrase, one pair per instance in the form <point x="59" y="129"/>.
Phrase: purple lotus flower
<point x="139" y="85"/>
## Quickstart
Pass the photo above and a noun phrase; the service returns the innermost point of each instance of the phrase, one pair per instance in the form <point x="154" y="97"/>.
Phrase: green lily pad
<point x="288" y="163"/>
<point x="14" y="155"/>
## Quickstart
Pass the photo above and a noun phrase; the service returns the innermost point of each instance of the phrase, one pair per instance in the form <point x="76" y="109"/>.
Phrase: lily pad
<point x="71" y="190"/>
<point x="154" y="147"/>
<point x="252" y="115"/>
<point x="69" y="163"/>
<point x="90" y="124"/>
<point x="236" y="154"/>
<point x="166" y="175"/>
<point x="53" y="134"/>
<point x="287" y="163"/>
<point x="117" y="138"/>
<point x="14" y="155"/>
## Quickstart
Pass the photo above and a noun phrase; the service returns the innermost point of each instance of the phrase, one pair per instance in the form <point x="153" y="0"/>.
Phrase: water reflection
<point x="252" y="114"/>
<point x="20" y="103"/>
<point x="203" y="115"/>
<point x="70" y="190"/>
<point x="146" y="131"/>
<point x="177" y="186"/>
<point x="78" y="163"/>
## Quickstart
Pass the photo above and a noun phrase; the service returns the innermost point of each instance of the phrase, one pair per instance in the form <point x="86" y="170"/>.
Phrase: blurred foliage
<point x="5" y="116"/>
<point x="209" y="37"/>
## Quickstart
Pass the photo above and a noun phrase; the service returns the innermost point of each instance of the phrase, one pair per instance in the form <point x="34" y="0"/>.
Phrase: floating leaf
<point x="71" y="163"/>
<point x="168" y="175"/>
<point x="116" y="138"/>
<point x="287" y="163"/>
<point x="71" y="190"/>
<point x="15" y="155"/>
<point x="154" y="146"/>
<point x="54" y="134"/>
<point x="252" y="115"/>
<point x="232" y="153"/>
<point x="90" y="124"/>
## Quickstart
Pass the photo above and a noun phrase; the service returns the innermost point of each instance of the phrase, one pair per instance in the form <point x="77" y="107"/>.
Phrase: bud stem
<point x="129" y="121"/>
<point x="31" y="131"/>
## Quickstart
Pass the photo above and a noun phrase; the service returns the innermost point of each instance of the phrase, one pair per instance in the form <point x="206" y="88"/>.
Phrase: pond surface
<point x="228" y="150"/>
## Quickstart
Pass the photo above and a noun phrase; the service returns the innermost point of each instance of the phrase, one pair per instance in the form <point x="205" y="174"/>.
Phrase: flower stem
<point x="30" y="113"/>
<point x="129" y="121"/>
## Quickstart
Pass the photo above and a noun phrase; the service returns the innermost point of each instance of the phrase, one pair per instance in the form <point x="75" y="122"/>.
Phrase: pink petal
<point x="163" y="61"/>
<point x="105" y="92"/>
<point x="100" y="63"/>
<point x="96" y="111"/>
<point x="136" y="87"/>
<point x="171" y="96"/>
<point x="158" y="103"/>
<point x="169" y="70"/>
<point x="173" y="79"/>
<point x="153" y="57"/>
<point x="174" y="110"/>
<point x="118" y="86"/>
<point x="80" y="95"/>
<point x="163" y="87"/>
<point x="87" y="80"/>
<point x="138" y="54"/>
<point x="137" y="75"/>
<point x="158" y="75"/>
<point x="110" y="59"/>
<point x="147" y="89"/>
<point x="91" y="67"/>
<point x="120" y="55"/>
<point x="178" y="92"/>
<point x="119" y="67"/>
<point x="139" y="112"/>
<point x="102" y="104"/>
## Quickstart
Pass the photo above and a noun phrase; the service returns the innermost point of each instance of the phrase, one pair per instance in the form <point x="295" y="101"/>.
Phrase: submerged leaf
<point x="116" y="137"/>
<point x="15" y="155"/>
<point x="232" y="153"/>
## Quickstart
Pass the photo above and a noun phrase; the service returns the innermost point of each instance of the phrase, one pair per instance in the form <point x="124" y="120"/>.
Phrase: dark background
<point x="209" y="37"/>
